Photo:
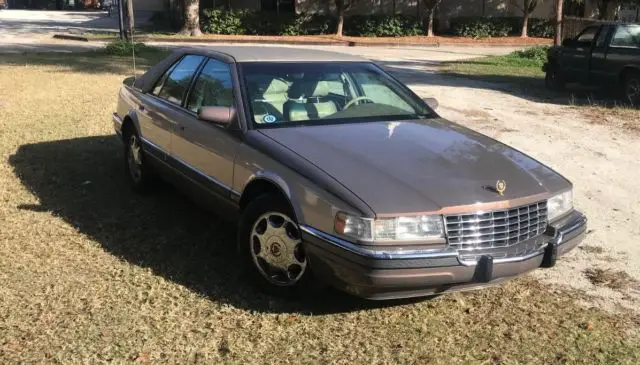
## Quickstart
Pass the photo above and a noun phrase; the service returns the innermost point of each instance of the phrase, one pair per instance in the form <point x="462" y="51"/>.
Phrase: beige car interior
<point x="293" y="101"/>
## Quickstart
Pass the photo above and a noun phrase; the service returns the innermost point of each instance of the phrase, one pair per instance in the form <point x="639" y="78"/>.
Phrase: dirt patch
<point x="592" y="249"/>
<point x="613" y="279"/>
<point x="621" y="116"/>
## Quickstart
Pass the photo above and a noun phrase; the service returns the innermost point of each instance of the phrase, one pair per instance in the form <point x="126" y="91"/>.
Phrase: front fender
<point x="314" y="196"/>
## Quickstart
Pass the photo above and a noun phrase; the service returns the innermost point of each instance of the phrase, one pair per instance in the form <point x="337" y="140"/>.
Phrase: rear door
<point x="162" y="106"/>
<point x="576" y="57"/>
<point x="207" y="150"/>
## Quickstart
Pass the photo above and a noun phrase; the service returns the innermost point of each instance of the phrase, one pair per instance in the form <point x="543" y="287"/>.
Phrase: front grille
<point x="501" y="228"/>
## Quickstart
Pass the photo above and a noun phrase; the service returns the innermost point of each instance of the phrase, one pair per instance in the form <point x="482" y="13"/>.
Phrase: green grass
<point x="525" y="65"/>
<point x="93" y="273"/>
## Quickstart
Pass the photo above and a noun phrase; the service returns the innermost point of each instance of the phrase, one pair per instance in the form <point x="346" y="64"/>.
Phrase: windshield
<point x="283" y="94"/>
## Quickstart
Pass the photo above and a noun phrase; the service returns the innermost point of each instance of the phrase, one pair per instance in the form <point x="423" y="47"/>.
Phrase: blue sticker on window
<point x="269" y="118"/>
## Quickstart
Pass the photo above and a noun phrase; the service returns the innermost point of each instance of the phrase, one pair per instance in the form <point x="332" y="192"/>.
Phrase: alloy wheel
<point x="134" y="159"/>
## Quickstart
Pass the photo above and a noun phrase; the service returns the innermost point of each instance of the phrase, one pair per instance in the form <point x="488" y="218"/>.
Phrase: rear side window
<point x="627" y="36"/>
<point x="174" y="83"/>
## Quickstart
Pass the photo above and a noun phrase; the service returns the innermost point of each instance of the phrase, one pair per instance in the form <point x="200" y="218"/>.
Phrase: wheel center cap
<point x="275" y="249"/>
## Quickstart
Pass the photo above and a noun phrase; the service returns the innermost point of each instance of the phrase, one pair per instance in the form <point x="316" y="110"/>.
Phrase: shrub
<point x="124" y="48"/>
<point x="479" y="27"/>
<point x="382" y="26"/>
<point x="537" y="54"/>
<point x="541" y="28"/>
<point x="218" y="21"/>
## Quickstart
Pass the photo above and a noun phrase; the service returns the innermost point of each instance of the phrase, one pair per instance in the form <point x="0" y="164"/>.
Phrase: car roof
<point x="273" y="54"/>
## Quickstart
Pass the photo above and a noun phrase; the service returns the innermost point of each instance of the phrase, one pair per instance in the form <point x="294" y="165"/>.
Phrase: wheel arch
<point x="130" y="121"/>
<point x="626" y="70"/>
<point x="265" y="183"/>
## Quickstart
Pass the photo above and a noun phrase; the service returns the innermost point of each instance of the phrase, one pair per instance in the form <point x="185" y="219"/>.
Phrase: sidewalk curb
<point x="71" y="37"/>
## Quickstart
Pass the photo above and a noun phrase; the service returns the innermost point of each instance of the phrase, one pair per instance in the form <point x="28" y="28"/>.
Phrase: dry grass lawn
<point x="90" y="272"/>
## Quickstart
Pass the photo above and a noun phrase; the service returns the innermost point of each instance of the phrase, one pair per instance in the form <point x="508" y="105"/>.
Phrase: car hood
<point x="420" y="165"/>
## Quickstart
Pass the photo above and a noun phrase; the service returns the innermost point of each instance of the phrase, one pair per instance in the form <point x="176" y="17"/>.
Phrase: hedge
<point x="479" y="27"/>
<point x="251" y="22"/>
<point x="216" y="21"/>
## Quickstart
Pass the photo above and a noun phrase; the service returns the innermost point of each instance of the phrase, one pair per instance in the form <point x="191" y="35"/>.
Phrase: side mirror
<point x="222" y="115"/>
<point x="432" y="102"/>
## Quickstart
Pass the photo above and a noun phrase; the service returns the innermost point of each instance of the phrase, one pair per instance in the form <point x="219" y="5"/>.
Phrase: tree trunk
<point x="191" y="18"/>
<point x="557" y="40"/>
<point x="340" y="11"/>
<point x="130" y="18"/>
<point x="431" y="11"/>
<point x="525" y="24"/>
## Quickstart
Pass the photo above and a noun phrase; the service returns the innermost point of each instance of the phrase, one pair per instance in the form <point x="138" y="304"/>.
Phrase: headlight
<point x="413" y="228"/>
<point x="559" y="205"/>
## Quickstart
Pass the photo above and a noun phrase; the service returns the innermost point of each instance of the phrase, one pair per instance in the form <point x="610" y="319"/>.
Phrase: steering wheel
<point x="355" y="100"/>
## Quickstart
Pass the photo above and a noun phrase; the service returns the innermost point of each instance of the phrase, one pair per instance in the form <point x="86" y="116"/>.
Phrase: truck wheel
<point x="270" y="242"/>
<point x="631" y="87"/>
<point x="553" y="80"/>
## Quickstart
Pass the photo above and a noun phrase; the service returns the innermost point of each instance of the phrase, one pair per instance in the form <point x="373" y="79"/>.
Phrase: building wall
<point x="149" y="5"/>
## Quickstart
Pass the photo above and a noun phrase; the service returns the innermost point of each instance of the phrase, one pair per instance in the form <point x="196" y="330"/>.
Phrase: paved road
<point x="32" y="30"/>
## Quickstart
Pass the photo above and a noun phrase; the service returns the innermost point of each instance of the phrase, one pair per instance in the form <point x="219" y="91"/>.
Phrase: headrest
<point x="308" y="89"/>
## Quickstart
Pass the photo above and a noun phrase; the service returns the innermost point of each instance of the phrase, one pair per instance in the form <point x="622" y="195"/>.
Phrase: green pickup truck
<point x="606" y="55"/>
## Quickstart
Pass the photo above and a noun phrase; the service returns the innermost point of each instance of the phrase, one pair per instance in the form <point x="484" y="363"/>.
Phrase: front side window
<point x="627" y="36"/>
<point x="319" y="93"/>
<point x="602" y="37"/>
<point x="176" y="82"/>
<point x="213" y="87"/>
<point x="588" y="35"/>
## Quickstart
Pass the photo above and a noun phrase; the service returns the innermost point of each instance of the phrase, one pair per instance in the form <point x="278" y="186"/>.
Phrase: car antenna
<point x="133" y="51"/>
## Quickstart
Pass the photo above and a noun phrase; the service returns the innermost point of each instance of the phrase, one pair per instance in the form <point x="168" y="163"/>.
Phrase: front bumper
<point x="117" y="124"/>
<point x="378" y="274"/>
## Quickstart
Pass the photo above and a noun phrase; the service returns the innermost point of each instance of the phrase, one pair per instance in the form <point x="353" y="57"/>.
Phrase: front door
<point x="576" y="55"/>
<point x="206" y="148"/>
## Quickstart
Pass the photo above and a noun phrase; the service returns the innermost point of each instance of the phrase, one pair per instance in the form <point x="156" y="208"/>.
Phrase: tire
<point x="553" y="80"/>
<point x="139" y="174"/>
<point x="631" y="88"/>
<point x="271" y="247"/>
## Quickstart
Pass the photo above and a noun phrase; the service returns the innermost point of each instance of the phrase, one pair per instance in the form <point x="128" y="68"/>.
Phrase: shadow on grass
<point x="93" y="62"/>
<point x="418" y="73"/>
<point x="82" y="181"/>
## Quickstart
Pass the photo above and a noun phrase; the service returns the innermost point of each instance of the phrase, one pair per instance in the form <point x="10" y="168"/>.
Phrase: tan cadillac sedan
<point x="337" y="173"/>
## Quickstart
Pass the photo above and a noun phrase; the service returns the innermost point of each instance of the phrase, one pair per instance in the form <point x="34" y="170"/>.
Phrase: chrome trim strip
<point x="579" y="222"/>
<point x="195" y="170"/>
<point x="117" y="119"/>
<point x="375" y="254"/>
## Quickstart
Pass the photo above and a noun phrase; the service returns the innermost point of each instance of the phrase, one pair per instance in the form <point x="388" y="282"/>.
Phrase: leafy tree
<point x="528" y="7"/>
<point x="191" y="18"/>
<point x="430" y="7"/>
